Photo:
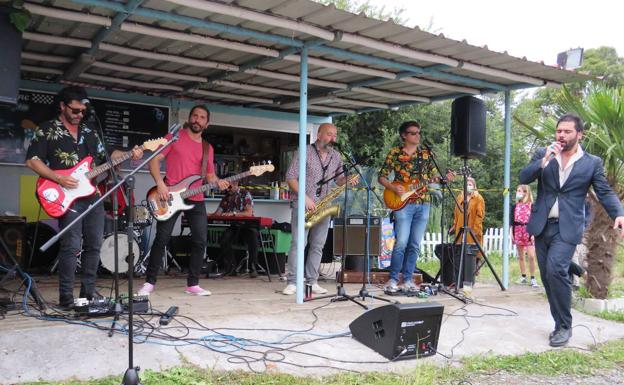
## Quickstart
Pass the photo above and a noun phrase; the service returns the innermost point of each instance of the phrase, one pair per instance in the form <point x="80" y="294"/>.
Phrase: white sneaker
<point x="146" y="289"/>
<point x="410" y="286"/>
<point x="290" y="289"/>
<point x="522" y="281"/>
<point x="316" y="289"/>
<point x="392" y="286"/>
<point x="534" y="283"/>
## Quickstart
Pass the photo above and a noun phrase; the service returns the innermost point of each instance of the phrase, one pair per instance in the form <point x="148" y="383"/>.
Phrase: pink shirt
<point x="183" y="158"/>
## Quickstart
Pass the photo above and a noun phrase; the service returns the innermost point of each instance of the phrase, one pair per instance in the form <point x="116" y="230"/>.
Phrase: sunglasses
<point x="77" y="111"/>
<point x="412" y="132"/>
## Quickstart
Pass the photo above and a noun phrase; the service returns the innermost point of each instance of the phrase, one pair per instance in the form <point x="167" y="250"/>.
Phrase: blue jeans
<point x="409" y="228"/>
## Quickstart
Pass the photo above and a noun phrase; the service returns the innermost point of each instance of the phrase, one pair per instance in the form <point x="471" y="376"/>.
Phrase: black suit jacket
<point x="587" y="171"/>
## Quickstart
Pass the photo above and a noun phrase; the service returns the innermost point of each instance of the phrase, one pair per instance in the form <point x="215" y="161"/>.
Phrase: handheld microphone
<point x="550" y="157"/>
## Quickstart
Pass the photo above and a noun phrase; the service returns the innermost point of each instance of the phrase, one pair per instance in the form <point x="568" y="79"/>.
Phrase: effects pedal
<point x="100" y="307"/>
<point x="140" y="304"/>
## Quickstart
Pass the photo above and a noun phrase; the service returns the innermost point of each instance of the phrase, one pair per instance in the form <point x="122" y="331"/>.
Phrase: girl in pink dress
<point x="520" y="214"/>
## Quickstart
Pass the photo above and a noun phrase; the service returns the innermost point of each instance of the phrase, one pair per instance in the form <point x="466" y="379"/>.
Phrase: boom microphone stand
<point x="341" y="294"/>
<point x="363" y="294"/>
<point x="131" y="376"/>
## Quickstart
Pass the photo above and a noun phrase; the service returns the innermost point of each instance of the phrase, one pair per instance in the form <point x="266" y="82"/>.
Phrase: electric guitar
<point x="56" y="199"/>
<point x="164" y="209"/>
<point x="396" y="201"/>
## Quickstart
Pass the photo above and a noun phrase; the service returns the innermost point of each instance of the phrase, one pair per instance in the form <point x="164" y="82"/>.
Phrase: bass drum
<point x="107" y="253"/>
<point x="41" y="260"/>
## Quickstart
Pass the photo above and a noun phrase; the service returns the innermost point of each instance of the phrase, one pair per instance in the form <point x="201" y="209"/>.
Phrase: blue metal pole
<point x="507" y="182"/>
<point x="303" y="122"/>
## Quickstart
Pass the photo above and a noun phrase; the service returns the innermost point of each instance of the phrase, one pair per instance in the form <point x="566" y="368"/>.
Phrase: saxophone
<point x="324" y="207"/>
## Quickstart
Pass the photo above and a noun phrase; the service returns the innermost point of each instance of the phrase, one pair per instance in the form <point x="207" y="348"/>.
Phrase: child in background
<point x="525" y="243"/>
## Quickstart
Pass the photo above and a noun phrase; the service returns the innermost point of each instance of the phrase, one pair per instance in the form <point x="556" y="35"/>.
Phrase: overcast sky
<point x="535" y="29"/>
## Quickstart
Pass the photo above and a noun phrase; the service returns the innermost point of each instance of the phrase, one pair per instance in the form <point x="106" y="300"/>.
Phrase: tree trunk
<point x="602" y="242"/>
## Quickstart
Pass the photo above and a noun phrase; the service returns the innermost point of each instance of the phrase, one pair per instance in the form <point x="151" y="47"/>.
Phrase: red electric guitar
<point x="56" y="199"/>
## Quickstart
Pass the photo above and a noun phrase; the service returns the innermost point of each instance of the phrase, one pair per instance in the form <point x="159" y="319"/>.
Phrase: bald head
<point x="326" y="135"/>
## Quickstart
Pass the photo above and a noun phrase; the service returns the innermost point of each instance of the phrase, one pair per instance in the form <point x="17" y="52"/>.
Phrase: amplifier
<point x="356" y="236"/>
<point x="13" y="233"/>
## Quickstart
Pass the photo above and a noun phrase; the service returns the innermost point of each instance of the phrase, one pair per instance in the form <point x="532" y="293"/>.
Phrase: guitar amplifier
<point x="13" y="233"/>
<point x="356" y="236"/>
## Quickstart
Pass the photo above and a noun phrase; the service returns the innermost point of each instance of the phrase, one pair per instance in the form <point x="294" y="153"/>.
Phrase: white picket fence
<point x="492" y="242"/>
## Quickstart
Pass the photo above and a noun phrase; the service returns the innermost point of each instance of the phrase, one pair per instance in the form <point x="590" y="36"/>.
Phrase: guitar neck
<point x="107" y="166"/>
<point x="208" y="186"/>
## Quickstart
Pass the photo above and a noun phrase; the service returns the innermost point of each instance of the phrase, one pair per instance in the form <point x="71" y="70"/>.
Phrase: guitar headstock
<point x="261" y="169"/>
<point x="153" y="144"/>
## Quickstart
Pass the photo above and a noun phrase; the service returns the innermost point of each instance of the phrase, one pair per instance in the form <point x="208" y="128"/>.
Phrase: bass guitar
<point x="165" y="209"/>
<point x="56" y="199"/>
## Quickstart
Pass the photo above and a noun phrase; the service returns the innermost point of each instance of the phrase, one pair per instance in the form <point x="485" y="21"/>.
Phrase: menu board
<point x="124" y="124"/>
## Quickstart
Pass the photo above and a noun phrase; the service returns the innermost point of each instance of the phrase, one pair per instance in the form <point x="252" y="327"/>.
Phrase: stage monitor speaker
<point x="356" y="236"/>
<point x="400" y="331"/>
<point x="13" y="233"/>
<point x="468" y="127"/>
<point x="11" y="48"/>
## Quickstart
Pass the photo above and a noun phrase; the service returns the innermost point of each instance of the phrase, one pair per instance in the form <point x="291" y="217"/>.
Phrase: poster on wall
<point x="123" y="124"/>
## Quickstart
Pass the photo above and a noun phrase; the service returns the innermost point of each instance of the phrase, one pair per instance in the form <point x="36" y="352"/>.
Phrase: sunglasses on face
<point x="77" y="111"/>
<point x="412" y="132"/>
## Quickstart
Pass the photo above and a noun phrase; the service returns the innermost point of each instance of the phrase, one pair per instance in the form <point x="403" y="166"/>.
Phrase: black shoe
<point x="253" y="274"/>
<point x="66" y="301"/>
<point x="552" y="334"/>
<point x="561" y="338"/>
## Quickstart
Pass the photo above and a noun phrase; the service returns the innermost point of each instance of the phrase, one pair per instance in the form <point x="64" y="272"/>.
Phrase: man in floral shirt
<point x="237" y="202"/>
<point x="60" y="144"/>
<point x="413" y="168"/>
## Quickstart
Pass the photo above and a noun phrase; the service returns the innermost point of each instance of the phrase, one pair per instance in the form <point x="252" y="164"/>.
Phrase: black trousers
<point x="235" y="234"/>
<point x="84" y="239"/>
<point x="197" y="221"/>
<point x="554" y="257"/>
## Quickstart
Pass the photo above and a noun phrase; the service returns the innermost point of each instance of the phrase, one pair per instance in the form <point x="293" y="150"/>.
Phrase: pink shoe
<point x="146" y="289"/>
<point x="196" y="290"/>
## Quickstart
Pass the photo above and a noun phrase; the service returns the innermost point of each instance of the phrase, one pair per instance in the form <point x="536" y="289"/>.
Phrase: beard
<point x="568" y="145"/>
<point x="196" y="128"/>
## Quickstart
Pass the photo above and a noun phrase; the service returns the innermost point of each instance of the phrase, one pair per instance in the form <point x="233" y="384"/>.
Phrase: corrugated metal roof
<point x="218" y="52"/>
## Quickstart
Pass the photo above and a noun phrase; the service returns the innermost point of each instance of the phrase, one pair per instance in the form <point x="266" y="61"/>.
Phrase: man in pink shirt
<point x="183" y="158"/>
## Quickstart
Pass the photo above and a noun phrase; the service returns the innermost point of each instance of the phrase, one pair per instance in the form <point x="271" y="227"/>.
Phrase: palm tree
<point x="602" y="110"/>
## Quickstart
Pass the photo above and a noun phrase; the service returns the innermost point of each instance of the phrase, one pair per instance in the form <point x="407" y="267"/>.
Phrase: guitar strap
<point x="204" y="166"/>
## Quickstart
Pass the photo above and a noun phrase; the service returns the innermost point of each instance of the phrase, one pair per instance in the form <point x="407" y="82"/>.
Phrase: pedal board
<point x="100" y="307"/>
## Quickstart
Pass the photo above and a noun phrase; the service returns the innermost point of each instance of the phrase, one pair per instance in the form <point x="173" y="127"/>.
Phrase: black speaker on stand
<point x="11" y="48"/>
<point x="400" y="331"/>
<point x="468" y="127"/>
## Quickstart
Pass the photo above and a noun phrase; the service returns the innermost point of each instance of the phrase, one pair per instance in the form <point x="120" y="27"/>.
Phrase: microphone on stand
<point x="90" y="112"/>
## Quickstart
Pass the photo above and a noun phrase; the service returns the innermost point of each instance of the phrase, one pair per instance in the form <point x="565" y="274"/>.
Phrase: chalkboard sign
<point x="124" y="124"/>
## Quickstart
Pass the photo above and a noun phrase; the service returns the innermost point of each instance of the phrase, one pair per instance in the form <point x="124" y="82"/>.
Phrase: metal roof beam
<point x="194" y="22"/>
<point x="115" y="25"/>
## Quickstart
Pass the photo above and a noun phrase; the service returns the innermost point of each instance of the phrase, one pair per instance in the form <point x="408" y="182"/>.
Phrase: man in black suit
<point x="564" y="173"/>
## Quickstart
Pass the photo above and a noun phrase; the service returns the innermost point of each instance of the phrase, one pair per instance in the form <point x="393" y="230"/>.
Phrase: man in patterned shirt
<point x="413" y="169"/>
<point x="60" y="144"/>
<point x="237" y="202"/>
<point x="322" y="163"/>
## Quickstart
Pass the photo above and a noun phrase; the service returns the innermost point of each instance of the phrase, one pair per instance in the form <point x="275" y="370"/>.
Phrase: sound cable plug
<point x="168" y="316"/>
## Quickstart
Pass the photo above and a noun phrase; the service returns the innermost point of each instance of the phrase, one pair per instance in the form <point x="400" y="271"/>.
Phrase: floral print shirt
<point x="235" y="201"/>
<point x="53" y="144"/>
<point x="414" y="169"/>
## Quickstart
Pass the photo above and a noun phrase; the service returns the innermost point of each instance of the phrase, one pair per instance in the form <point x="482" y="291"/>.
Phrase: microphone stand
<point x="118" y="309"/>
<point x="445" y="186"/>
<point x="363" y="294"/>
<point x="131" y="376"/>
<point x="341" y="294"/>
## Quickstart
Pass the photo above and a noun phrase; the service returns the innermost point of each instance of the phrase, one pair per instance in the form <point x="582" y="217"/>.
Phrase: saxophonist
<point x="322" y="163"/>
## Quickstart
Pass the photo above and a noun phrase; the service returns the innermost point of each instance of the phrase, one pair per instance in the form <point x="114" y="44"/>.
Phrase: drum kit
<point x="38" y="233"/>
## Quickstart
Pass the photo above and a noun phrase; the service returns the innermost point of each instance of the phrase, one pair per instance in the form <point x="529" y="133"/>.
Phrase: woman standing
<point x="525" y="243"/>
<point x="476" y="213"/>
